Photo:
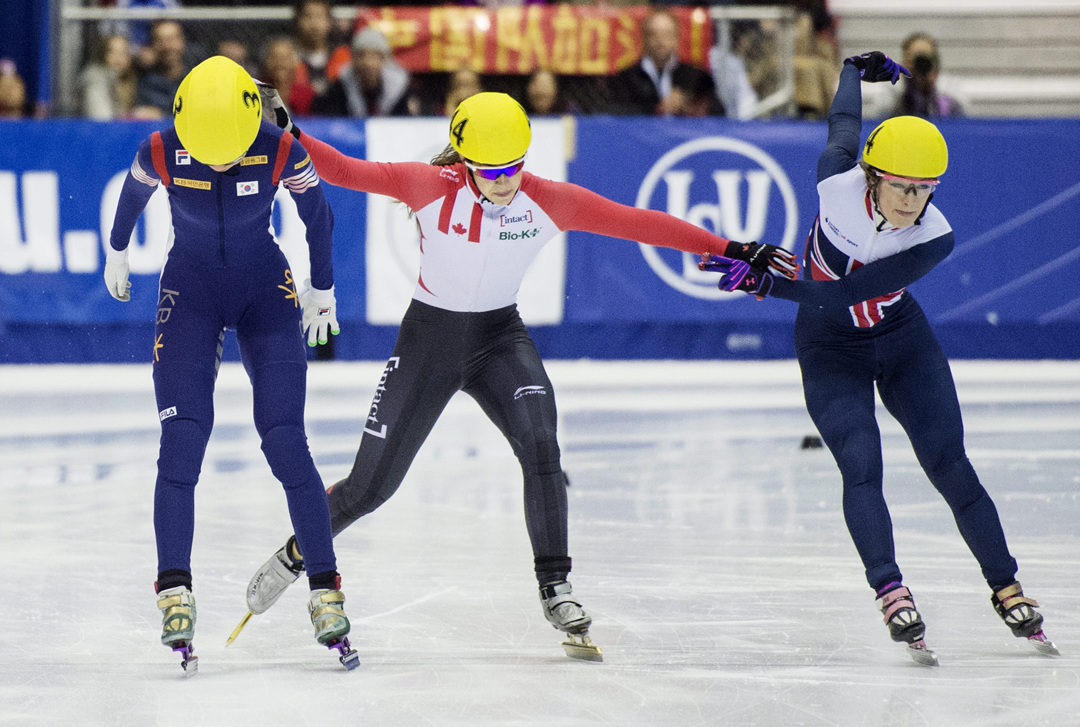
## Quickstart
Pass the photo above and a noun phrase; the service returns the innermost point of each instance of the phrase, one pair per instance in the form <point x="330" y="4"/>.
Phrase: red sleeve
<point x="414" y="183"/>
<point x="575" y="208"/>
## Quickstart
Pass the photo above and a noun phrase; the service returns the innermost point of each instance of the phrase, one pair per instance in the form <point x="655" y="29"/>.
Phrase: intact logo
<point x="166" y="413"/>
<point x="528" y="391"/>
<point x="505" y="220"/>
<point x="726" y="186"/>
<point x="243" y="189"/>
<point x="523" y="235"/>
<point x="183" y="156"/>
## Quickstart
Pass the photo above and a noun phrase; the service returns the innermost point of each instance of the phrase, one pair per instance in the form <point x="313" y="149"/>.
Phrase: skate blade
<point x="922" y="655"/>
<point x="189" y="662"/>
<point x="239" y="627"/>
<point x="580" y="647"/>
<point x="1043" y="645"/>
<point x="348" y="656"/>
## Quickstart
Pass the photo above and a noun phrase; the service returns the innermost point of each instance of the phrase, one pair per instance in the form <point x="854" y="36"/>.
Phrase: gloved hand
<point x="320" y="313"/>
<point x="738" y="275"/>
<point x="876" y="66"/>
<point x="273" y="108"/>
<point x="116" y="273"/>
<point x="762" y="256"/>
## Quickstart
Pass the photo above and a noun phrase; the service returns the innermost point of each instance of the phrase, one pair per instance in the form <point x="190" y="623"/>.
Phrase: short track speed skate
<point x="270" y="581"/>
<point x="1019" y="614"/>
<point x="905" y="624"/>
<point x="177" y="606"/>
<point x="332" y="625"/>
<point x="565" y="614"/>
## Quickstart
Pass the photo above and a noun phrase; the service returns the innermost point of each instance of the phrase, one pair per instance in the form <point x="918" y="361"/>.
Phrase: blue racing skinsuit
<point x="857" y="326"/>
<point x="224" y="270"/>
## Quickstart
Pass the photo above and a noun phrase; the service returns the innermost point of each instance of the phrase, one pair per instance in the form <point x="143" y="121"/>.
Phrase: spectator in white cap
<point x="373" y="84"/>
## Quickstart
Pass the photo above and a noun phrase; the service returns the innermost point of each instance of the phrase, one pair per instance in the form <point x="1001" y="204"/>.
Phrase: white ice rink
<point x="709" y="548"/>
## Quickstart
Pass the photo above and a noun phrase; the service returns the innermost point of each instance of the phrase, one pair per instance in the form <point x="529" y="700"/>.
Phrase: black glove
<point x="762" y="256"/>
<point x="274" y="109"/>
<point x="876" y="66"/>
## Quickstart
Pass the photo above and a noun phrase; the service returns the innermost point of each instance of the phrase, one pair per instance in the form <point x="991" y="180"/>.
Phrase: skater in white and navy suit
<point x="482" y="221"/>
<point x="875" y="234"/>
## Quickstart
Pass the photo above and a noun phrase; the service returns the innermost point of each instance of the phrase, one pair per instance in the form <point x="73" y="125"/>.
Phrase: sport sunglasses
<point x="493" y="173"/>
<point x="904" y="184"/>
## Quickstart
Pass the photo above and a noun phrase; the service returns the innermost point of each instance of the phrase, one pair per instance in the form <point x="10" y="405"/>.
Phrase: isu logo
<point x="725" y="186"/>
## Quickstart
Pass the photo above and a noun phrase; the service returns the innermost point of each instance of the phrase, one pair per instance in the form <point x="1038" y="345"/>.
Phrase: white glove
<point x="273" y="108"/>
<point x="116" y="273"/>
<point x="320" y="313"/>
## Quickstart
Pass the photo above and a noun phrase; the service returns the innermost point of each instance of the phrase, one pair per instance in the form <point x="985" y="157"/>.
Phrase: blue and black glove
<point x="764" y="256"/>
<point x="738" y="275"/>
<point x="876" y="66"/>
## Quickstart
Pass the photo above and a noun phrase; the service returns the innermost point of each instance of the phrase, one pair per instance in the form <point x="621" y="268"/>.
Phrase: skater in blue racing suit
<point x="857" y="326"/>
<point x="221" y="165"/>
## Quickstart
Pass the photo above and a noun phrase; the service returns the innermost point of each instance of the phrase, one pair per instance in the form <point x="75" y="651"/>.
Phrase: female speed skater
<point x="462" y="331"/>
<point x="877" y="233"/>
<point x="221" y="165"/>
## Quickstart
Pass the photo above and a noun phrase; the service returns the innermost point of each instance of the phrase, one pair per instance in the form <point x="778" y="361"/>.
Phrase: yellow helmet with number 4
<point x="490" y="128"/>
<point x="217" y="111"/>
<point x="907" y="146"/>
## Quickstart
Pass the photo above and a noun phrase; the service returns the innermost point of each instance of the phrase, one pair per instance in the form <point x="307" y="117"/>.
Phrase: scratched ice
<point x="709" y="548"/>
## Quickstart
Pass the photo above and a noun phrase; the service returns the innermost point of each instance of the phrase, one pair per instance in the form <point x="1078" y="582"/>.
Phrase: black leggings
<point x="490" y="357"/>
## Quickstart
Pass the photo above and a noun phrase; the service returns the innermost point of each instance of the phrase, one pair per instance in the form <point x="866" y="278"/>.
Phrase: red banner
<point x="566" y="39"/>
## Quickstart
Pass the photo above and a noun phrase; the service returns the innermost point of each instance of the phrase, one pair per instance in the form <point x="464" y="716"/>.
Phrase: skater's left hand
<point x="738" y="275"/>
<point x="876" y="66"/>
<point x="760" y="255"/>
<point x="320" y="313"/>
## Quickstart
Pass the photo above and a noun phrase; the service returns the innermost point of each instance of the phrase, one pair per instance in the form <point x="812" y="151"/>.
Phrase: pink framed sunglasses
<point x="905" y="185"/>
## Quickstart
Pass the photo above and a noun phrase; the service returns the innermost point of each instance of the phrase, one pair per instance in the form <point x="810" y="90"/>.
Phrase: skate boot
<point x="332" y="625"/>
<point x="177" y="607"/>
<point x="565" y="613"/>
<point x="904" y="622"/>
<point x="275" y="575"/>
<point x="1019" y="614"/>
<point x="270" y="581"/>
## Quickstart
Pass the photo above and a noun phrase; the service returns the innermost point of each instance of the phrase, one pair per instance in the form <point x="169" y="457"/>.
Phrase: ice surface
<point x="709" y="548"/>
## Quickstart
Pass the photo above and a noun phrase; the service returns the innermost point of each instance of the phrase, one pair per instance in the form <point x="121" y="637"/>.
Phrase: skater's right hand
<point x="738" y="275"/>
<point x="876" y="66"/>
<point x="274" y="109"/>
<point x="116" y="273"/>
<point x="320" y="313"/>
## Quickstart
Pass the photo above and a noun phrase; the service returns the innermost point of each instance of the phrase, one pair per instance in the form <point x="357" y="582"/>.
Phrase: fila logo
<point x="166" y="413"/>
<point x="243" y="189"/>
<point x="183" y="156"/>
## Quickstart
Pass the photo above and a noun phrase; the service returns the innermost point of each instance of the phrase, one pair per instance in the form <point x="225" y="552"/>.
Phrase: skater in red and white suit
<point x="482" y="221"/>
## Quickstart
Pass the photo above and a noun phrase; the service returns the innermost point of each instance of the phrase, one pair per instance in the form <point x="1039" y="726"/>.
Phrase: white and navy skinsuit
<point x="857" y="326"/>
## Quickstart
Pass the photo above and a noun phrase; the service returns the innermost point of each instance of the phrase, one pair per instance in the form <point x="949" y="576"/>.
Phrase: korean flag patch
<point x="183" y="156"/>
<point x="243" y="189"/>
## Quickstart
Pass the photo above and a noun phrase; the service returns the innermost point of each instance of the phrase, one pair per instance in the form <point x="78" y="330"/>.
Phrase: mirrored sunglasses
<point x="905" y="185"/>
<point x="493" y="173"/>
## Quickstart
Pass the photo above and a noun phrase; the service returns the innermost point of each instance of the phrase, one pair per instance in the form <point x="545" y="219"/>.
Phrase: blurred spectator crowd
<point x="324" y="67"/>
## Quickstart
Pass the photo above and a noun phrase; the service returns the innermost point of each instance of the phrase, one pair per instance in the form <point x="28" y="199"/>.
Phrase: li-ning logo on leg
<point x="528" y="391"/>
<point x="373" y="417"/>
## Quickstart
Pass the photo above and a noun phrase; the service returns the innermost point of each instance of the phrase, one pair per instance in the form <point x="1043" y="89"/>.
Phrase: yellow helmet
<point x="907" y="146"/>
<point x="490" y="128"/>
<point x="217" y="111"/>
